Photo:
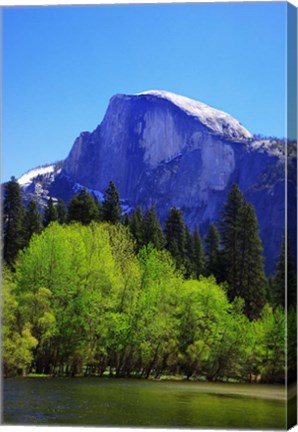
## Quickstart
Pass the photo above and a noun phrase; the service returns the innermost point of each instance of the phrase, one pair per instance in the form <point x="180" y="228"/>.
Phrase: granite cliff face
<point x="162" y="148"/>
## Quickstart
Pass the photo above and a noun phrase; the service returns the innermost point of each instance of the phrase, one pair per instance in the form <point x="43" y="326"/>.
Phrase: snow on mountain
<point x="77" y="188"/>
<point x="28" y="177"/>
<point x="216" y="120"/>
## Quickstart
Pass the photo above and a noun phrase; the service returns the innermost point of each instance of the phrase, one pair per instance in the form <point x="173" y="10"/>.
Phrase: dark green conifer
<point x="136" y="227"/>
<point x="61" y="212"/>
<point x="82" y="208"/>
<point x="98" y="205"/>
<point x="199" y="258"/>
<point x="151" y="232"/>
<point x="189" y="261"/>
<point x="32" y="221"/>
<point x="50" y="213"/>
<point x="278" y="287"/>
<point x="252" y="281"/>
<point x="126" y="220"/>
<point x="175" y="234"/>
<point x="242" y="253"/>
<point x="111" y="207"/>
<point x="230" y="238"/>
<point x="212" y="252"/>
<point x="13" y="221"/>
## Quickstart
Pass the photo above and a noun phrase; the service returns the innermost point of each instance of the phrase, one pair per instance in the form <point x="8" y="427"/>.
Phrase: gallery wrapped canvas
<point x="149" y="275"/>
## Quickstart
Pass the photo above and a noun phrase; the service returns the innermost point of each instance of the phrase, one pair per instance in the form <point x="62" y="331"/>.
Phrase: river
<point x="131" y="402"/>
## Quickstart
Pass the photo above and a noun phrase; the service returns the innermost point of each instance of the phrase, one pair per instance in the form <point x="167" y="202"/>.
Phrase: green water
<point x="111" y="402"/>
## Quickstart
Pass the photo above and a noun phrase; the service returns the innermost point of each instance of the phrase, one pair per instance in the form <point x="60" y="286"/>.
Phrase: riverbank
<point x="267" y="391"/>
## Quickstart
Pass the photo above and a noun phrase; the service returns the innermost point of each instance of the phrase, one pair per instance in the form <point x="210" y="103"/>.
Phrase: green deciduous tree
<point x="268" y="354"/>
<point x="212" y="332"/>
<point x="17" y="340"/>
<point x="82" y="301"/>
<point x="155" y="321"/>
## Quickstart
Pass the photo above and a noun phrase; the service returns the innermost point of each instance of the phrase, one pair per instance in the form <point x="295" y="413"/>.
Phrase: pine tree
<point x="61" y="212"/>
<point x="98" y="206"/>
<point x="291" y="279"/>
<point x="230" y="237"/>
<point x="50" y="213"/>
<point x="13" y="221"/>
<point x="189" y="261"/>
<point x="199" y="258"/>
<point x="136" y="226"/>
<point x="252" y="281"/>
<point x="32" y="221"/>
<point x="111" y="207"/>
<point x="82" y="208"/>
<point x="152" y="231"/>
<point x="278" y="293"/>
<point x="242" y="253"/>
<point x="175" y="234"/>
<point x="126" y="220"/>
<point x="212" y="240"/>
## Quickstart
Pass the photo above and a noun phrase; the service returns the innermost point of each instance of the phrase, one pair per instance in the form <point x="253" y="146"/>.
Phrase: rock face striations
<point x="164" y="149"/>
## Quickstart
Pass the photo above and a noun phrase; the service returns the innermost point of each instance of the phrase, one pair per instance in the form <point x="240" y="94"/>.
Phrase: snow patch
<point x="29" y="176"/>
<point x="216" y="120"/>
<point x="78" y="188"/>
<point x="126" y="208"/>
<point x="269" y="146"/>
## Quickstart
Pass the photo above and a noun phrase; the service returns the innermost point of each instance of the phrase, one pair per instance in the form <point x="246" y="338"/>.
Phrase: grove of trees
<point x="89" y="291"/>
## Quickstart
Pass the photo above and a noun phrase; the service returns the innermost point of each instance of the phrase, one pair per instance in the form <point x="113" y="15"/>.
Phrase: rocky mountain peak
<point x="217" y="121"/>
<point x="165" y="149"/>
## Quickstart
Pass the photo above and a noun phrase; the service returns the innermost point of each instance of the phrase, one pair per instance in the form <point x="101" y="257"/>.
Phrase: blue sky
<point x="61" y="65"/>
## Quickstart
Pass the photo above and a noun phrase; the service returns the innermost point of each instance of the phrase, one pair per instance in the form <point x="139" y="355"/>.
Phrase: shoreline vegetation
<point x="91" y="291"/>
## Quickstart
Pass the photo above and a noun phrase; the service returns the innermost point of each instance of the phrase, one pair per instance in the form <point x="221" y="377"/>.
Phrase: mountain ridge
<point x="171" y="155"/>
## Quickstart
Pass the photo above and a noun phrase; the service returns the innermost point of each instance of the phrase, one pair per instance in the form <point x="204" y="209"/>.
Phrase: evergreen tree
<point x="175" y="233"/>
<point x="32" y="221"/>
<point x="198" y="258"/>
<point x="50" y="213"/>
<point x="99" y="209"/>
<point x="111" y="207"/>
<point x="13" y="221"/>
<point x="291" y="279"/>
<point x="230" y="237"/>
<point x="252" y="281"/>
<point x="136" y="226"/>
<point x="61" y="212"/>
<point x="151" y="232"/>
<point x="212" y="252"/>
<point x="82" y="208"/>
<point x="189" y="262"/>
<point x="278" y="293"/>
<point x="126" y="220"/>
<point x="242" y="253"/>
